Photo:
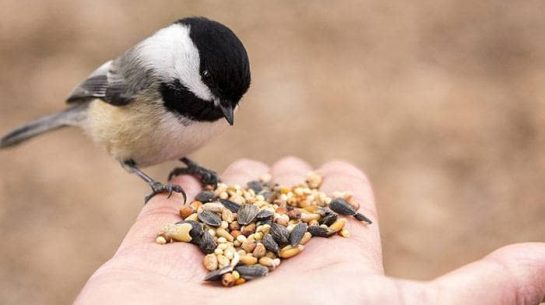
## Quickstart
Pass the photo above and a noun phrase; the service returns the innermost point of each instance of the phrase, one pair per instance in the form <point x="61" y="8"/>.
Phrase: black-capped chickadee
<point x="160" y="100"/>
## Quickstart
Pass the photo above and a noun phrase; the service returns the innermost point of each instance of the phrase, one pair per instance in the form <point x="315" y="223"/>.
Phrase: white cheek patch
<point x="172" y="52"/>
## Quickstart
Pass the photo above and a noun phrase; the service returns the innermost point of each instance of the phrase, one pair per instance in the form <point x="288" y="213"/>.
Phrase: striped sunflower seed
<point x="319" y="231"/>
<point x="329" y="219"/>
<point x="216" y="275"/>
<point x="206" y="243"/>
<point x="280" y="234"/>
<point x="270" y="244"/>
<point x="297" y="233"/>
<point x="247" y="214"/>
<point x="264" y="215"/>
<point x="252" y="272"/>
<point x="342" y="207"/>
<point x="361" y="217"/>
<point x="256" y="186"/>
<point x="232" y="206"/>
<point x="205" y="196"/>
<point x="210" y="218"/>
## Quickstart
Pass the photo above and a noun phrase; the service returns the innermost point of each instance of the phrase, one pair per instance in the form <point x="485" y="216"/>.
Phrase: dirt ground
<point x="442" y="103"/>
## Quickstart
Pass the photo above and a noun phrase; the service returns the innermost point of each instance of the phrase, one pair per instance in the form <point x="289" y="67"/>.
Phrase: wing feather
<point x="104" y="83"/>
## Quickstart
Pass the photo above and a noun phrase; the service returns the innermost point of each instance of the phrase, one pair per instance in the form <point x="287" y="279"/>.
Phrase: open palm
<point x="329" y="271"/>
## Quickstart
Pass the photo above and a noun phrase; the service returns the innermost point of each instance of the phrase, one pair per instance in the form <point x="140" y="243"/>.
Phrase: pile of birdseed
<point x="245" y="233"/>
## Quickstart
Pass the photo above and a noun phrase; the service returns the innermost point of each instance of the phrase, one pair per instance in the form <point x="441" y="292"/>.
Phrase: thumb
<point x="513" y="274"/>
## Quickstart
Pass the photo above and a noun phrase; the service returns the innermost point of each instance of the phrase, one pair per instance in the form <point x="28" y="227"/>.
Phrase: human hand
<point x="333" y="271"/>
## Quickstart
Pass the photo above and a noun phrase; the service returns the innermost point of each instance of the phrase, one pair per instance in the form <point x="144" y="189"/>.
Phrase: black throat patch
<point x="179" y="99"/>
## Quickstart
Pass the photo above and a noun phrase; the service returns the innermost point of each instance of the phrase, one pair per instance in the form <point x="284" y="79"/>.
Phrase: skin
<point x="351" y="272"/>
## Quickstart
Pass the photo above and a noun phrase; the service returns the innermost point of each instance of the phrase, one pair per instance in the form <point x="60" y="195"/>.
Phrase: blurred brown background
<point x="442" y="103"/>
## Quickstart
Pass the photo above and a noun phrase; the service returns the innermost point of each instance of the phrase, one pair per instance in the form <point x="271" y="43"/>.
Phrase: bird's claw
<point x="205" y="176"/>
<point x="160" y="188"/>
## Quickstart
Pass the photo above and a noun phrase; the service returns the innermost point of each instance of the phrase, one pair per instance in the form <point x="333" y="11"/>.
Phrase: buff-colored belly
<point x="146" y="133"/>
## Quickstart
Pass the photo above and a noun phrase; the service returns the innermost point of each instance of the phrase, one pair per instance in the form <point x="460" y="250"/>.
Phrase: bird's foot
<point x="160" y="188"/>
<point x="206" y="176"/>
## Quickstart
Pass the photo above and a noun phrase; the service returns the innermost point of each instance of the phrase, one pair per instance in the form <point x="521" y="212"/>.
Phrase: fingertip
<point x="290" y="170"/>
<point x="343" y="176"/>
<point x="288" y="161"/>
<point x="243" y="170"/>
<point x="342" y="167"/>
<point x="246" y="166"/>
<point x="512" y="274"/>
<point x="522" y="253"/>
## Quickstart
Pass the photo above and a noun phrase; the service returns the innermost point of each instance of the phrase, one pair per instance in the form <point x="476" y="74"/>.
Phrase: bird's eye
<point x="206" y="76"/>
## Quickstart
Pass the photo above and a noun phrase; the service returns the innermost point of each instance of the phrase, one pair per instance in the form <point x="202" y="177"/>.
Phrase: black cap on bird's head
<point x="224" y="64"/>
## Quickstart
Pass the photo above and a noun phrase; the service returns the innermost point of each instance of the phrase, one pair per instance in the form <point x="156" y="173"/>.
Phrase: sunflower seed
<point x="206" y="243"/>
<point x="270" y="244"/>
<point x="329" y="219"/>
<point x="256" y="186"/>
<point x="280" y="234"/>
<point x="247" y="213"/>
<point x="297" y="233"/>
<point x="342" y="207"/>
<point x="264" y="215"/>
<point x="210" y="218"/>
<point x="268" y="195"/>
<point x="319" y="231"/>
<point x="252" y="272"/>
<point x="233" y="206"/>
<point x="216" y="275"/>
<point x="362" y="217"/>
<point x="205" y="196"/>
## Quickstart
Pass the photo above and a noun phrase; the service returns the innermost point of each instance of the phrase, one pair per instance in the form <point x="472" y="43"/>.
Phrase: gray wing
<point x="116" y="82"/>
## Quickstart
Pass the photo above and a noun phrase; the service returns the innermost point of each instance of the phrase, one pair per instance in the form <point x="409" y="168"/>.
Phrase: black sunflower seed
<point x="342" y="207"/>
<point x="264" y="214"/>
<point x="270" y="244"/>
<point x="297" y="233"/>
<point x="246" y="214"/>
<point x="252" y="272"/>
<point x="329" y="219"/>
<point x="268" y="195"/>
<point x="205" y="196"/>
<point x="206" y="243"/>
<point x="319" y="231"/>
<point x="280" y="234"/>
<point x="216" y="275"/>
<point x="256" y="186"/>
<point x="362" y="217"/>
<point x="232" y="206"/>
<point x="209" y="218"/>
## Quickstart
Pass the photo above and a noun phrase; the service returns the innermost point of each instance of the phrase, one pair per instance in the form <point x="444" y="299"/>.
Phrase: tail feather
<point x="69" y="117"/>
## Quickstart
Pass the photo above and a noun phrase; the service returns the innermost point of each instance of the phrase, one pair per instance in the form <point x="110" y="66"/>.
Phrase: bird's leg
<point x="156" y="186"/>
<point x="206" y="176"/>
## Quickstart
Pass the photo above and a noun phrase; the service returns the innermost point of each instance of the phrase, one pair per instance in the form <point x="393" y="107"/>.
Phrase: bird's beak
<point x="227" y="110"/>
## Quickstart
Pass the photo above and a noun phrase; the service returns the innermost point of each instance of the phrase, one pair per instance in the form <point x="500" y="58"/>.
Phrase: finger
<point x="511" y="275"/>
<point x="290" y="171"/>
<point x="244" y="170"/>
<point x="344" y="177"/>
<point x="159" y="211"/>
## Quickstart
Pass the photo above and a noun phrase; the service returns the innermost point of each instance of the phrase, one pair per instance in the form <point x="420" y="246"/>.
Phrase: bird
<point x="160" y="100"/>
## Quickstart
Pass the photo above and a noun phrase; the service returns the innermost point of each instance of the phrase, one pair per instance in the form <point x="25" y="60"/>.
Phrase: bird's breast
<point x="145" y="132"/>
